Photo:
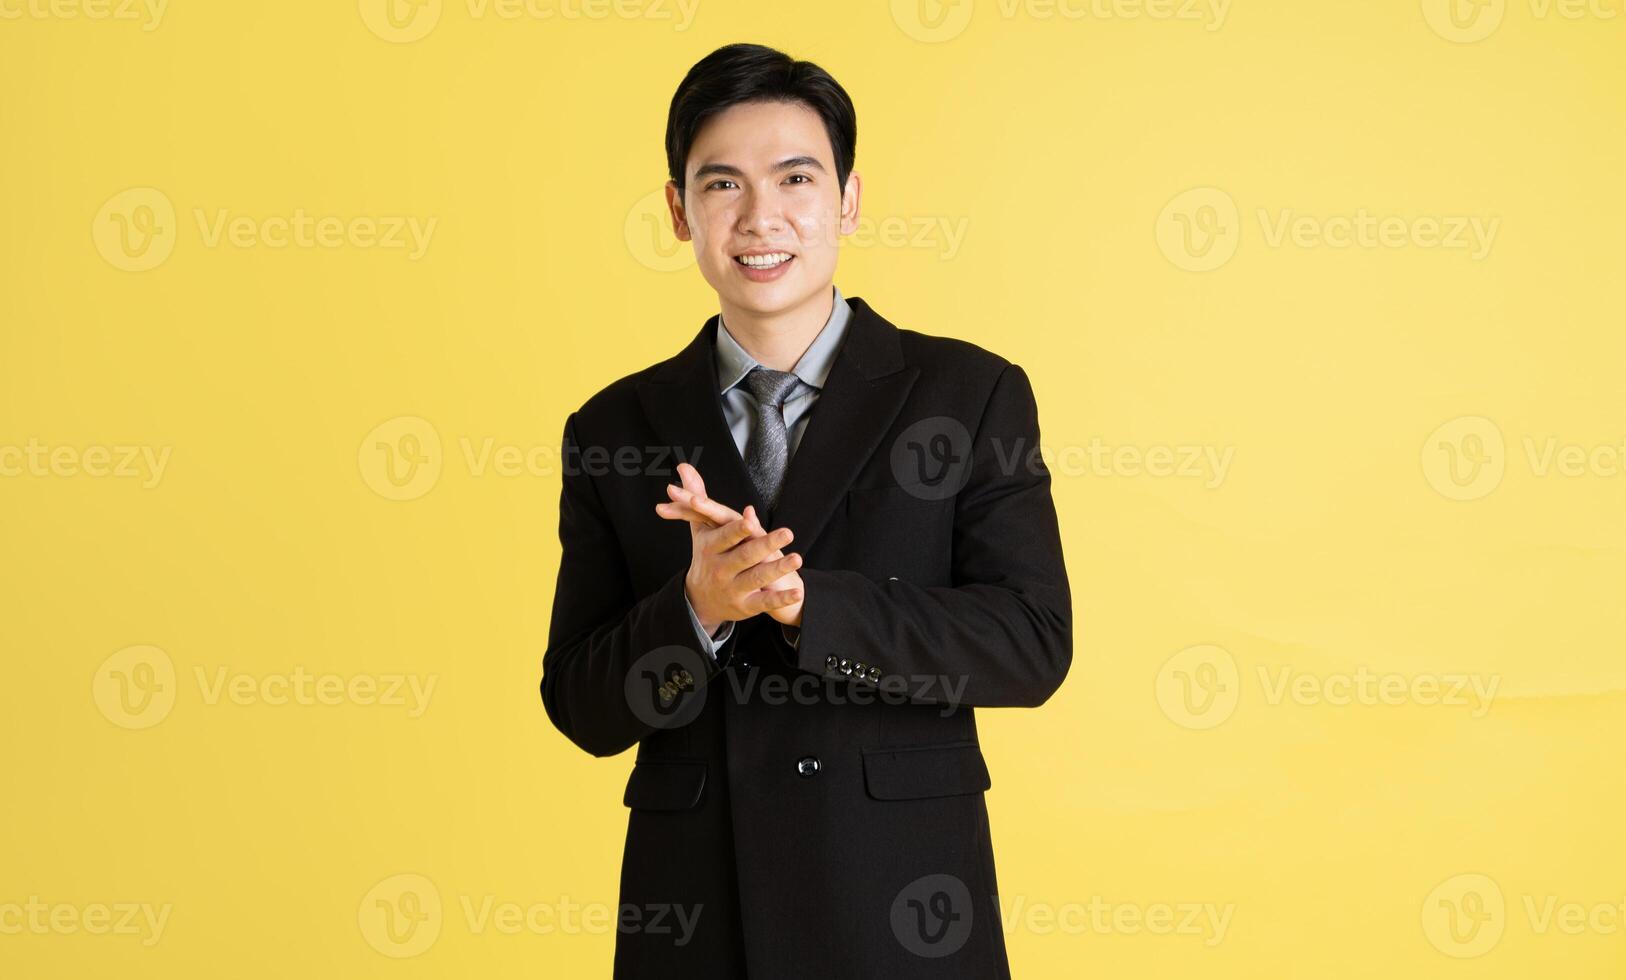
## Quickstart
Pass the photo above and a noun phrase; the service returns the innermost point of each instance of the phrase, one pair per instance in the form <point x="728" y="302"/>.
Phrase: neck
<point x="778" y="340"/>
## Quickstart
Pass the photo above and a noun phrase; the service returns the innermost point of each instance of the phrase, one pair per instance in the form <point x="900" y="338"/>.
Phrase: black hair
<point x="740" y="73"/>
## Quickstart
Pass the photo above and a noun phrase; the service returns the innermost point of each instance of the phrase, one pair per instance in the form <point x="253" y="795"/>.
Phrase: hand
<point x="737" y="569"/>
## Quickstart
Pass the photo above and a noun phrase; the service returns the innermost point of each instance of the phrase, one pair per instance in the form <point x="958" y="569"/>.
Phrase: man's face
<point x="761" y="179"/>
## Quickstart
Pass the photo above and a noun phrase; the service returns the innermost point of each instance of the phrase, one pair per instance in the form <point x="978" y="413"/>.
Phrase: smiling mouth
<point x="771" y="260"/>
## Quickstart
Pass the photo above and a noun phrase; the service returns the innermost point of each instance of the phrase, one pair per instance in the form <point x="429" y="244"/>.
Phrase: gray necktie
<point x="768" y="449"/>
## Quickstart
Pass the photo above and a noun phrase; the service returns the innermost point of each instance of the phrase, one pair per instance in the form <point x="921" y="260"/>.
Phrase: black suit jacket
<point x="814" y="811"/>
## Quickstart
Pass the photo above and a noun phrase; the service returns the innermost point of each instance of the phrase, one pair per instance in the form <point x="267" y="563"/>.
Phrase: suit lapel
<point x="864" y="392"/>
<point x="866" y="389"/>
<point x="685" y="408"/>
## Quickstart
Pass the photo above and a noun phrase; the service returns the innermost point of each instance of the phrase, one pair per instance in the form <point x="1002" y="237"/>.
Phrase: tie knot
<point x="769" y="386"/>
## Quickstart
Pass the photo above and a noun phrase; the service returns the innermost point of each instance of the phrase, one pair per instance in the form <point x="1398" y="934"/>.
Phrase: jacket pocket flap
<point x="918" y="772"/>
<point x="665" y="785"/>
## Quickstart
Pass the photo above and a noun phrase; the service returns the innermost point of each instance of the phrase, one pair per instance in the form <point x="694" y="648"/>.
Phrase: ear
<point x="674" y="204"/>
<point x="849" y="203"/>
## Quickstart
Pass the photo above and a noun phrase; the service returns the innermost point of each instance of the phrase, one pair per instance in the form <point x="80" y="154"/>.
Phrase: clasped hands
<point x="737" y="568"/>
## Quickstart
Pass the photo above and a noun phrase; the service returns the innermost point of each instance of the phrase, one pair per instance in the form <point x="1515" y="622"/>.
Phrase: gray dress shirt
<point x="733" y="364"/>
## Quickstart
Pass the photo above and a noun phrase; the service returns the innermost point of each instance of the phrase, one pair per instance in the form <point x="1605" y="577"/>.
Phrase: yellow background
<point x="1338" y="835"/>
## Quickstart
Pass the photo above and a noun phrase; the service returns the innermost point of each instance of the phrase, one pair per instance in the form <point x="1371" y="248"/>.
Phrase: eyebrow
<point x="729" y="170"/>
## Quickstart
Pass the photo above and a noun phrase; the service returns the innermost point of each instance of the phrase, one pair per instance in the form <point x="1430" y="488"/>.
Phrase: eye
<point x="805" y="178"/>
<point x="714" y="183"/>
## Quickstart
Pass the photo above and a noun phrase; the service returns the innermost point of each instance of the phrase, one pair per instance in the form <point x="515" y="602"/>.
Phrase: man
<point x="795" y="643"/>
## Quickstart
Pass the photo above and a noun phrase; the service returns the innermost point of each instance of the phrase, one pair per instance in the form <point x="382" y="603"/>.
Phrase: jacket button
<point x="830" y="662"/>
<point x="846" y="666"/>
<point x="891" y="578"/>
<point x="808" y="766"/>
<point x="875" y="673"/>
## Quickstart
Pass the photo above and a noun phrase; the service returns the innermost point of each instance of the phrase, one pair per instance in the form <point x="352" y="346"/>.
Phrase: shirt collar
<point x="733" y="363"/>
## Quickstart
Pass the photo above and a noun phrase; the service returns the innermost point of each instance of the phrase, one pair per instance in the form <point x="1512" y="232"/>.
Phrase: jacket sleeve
<point x="999" y="636"/>
<point x="612" y="658"/>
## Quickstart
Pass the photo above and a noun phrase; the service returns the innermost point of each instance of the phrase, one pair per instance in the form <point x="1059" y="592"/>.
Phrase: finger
<point x="691" y="479"/>
<point x="726" y="537"/>
<point x="765" y="600"/>
<point x="766" y="573"/>
<point x="683" y="512"/>
<point x="756" y="548"/>
<point x="712" y="510"/>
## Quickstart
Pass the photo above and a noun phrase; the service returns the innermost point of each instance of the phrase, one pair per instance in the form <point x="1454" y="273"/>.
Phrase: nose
<point x="760" y="215"/>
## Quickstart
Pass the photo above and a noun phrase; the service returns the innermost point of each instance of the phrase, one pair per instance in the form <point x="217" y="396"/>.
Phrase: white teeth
<point x="764" y="261"/>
